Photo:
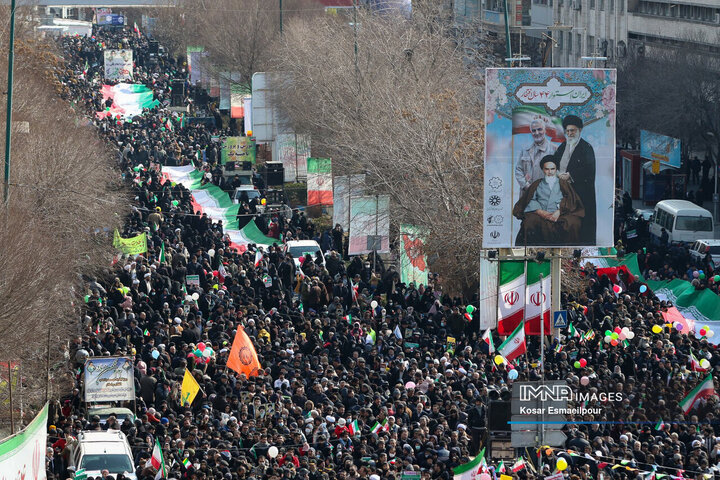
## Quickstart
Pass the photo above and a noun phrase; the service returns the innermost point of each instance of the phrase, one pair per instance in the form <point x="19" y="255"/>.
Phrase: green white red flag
<point x="487" y="338"/>
<point x="702" y="391"/>
<point x="514" y="345"/>
<point x="319" y="181"/>
<point x="128" y="100"/>
<point x="523" y="294"/>
<point x="472" y="469"/>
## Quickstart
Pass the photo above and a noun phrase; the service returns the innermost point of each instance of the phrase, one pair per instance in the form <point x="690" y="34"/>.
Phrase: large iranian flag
<point x="514" y="345"/>
<point x="511" y="296"/>
<point x="537" y="298"/>
<point x="319" y="181"/>
<point x="250" y="233"/>
<point x="525" y="115"/>
<point x="705" y="389"/>
<point x="128" y="99"/>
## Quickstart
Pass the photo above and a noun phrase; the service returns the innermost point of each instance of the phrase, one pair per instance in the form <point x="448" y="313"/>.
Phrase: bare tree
<point x="62" y="201"/>
<point x="390" y="97"/>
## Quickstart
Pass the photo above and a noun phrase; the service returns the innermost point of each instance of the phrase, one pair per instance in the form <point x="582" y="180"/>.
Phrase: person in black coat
<point x="578" y="167"/>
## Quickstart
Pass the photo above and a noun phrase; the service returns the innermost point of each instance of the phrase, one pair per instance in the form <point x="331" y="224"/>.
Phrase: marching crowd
<point x="365" y="383"/>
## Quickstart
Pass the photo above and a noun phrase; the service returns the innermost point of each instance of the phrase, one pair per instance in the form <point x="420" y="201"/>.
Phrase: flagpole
<point x="542" y="364"/>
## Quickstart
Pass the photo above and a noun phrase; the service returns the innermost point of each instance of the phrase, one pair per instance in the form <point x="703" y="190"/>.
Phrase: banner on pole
<point x="413" y="261"/>
<point x="118" y="64"/>
<point x="345" y="187"/>
<point x="109" y="379"/>
<point x="369" y="224"/>
<point x="319" y="181"/>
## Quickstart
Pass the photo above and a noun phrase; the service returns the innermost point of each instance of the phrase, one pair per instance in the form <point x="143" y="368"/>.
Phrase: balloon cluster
<point x="203" y="353"/>
<point x="701" y="275"/>
<point x="468" y="312"/>
<point x="706" y="332"/>
<point x="582" y="363"/>
<point x="618" y="335"/>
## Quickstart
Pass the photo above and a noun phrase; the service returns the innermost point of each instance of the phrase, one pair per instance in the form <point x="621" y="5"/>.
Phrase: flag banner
<point x="413" y="261"/>
<point x="194" y="54"/>
<point x="345" y="187"/>
<point x="128" y="100"/>
<point x="702" y="391"/>
<point x="25" y="451"/>
<point x="369" y="224"/>
<point x="216" y="204"/>
<point x="189" y="389"/>
<point x="293" y="151"/>
<point x="695" y="306"/>
<point x="237" y="149"/>
<point x="224" y="91"/>
<point x="130" y="246"/>
<point x="319" y="181"/>
<point x="243" y="357"/>
<point x="157" y="461"/>
<point x="511" y="296"/>
<point x="118" y="64"/>
<point x="537" y="298"/>
<point x="109" y="379"/>
<point x="214" y="85"/>
<point x="488" y="307"/>
<point x="238" y="91"/>
<point x="247" y="110"/>
<point x="568" y="115"/>
<point x="611" y="266"/>
<point x="514" y="345"/>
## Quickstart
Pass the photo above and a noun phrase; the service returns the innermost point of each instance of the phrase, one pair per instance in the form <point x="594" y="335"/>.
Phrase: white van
<point x="100" y="450"/>
<point x="684" y="221"/>
<point x="703" y="247"/>
<point x="299" y="248"/>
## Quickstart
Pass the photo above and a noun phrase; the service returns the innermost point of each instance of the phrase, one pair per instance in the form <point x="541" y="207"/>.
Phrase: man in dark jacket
<point x="576" y="160"/>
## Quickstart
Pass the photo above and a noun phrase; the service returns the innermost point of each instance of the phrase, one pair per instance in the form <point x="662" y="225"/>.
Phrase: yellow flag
<point x="189" y="390"/>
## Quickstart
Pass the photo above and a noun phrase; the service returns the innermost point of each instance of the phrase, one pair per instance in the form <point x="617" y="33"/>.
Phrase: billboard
<point x="109" y="379"/>
<point x="118" y="64"/>
<point x="654" y="146"/>
<point x="549" y="157"/>
<point x="369" y="224"/>
<point x="110" y="19"/>
<point x="413" y="261"/>
<point x="237" y="149"/>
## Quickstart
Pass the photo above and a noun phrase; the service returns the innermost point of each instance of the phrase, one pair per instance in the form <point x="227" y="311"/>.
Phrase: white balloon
<point x="273" y="451"/>
<point x="188" y="298"/>
<point x="710" y="334"/>
<point x="211" y="252"/>
<point x="374" y="304"/>
<point x="195" y="296"/>
<point x="630" y="335"/>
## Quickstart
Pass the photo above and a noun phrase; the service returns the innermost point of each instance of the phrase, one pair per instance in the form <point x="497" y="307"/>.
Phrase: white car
<point x="98" y="450"/>
<point x="298" y="248"/>
<point x="701" y="247"/>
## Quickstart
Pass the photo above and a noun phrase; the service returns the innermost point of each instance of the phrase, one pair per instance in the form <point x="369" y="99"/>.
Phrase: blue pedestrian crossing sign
<point x="560" y="319"/>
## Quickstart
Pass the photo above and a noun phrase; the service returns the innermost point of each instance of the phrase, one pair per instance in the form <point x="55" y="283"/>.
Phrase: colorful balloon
<point x="201" y="346"/>
<point x="656" y="329"/>
<point x="583" y="362"/>
<point x="584" y="380"/>
<point x="577" y="364"/>
<point x="499" y="359"/>
<point x="613" y="342"/>
<point x="617" y="289"/>
<point x="561" y="464"/>
<point x="469" y="309"/>
<point x="513" y="374"/>
<point x="643" y="288"/>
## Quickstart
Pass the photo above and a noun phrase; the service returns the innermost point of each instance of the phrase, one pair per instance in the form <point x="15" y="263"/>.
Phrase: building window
<point x="570" y="43"/>
<point x="578" y="47"/>
<point x="612" y="6"/>
<point x="592" y="4"/>
<point x="591" y="45"/>
<point x="602" y="5"/>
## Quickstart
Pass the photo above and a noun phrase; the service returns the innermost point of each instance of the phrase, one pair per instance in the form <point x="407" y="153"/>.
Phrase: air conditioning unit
<point x="576" y="4"/>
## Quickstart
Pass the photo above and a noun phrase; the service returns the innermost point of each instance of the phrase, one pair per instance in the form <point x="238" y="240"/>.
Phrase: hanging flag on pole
<point x="319" y="181"/>
<point x="189" y="389"/>
<point x="469" y="471"/>
<point x="243" y="357"/>
<point x="514" y="345"/>
<point x="511" y="296"/>
<point x="487" y="338"/>
<point x="157" y="461"/>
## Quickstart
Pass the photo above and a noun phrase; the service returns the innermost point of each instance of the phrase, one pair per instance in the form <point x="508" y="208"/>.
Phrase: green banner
<point x="130" y="246"/>
<point x="238" y="149"/>
<point x="413" y="261"/>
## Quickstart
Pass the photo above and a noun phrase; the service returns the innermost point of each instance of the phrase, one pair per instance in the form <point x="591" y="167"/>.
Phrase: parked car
<point x="298" y="248"/>
<point x="98" y="450"/>
<point x="703" y="247"/>
<point x="684" y="221"/>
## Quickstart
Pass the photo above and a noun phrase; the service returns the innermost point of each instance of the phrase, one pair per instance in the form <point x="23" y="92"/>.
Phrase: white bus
<point x="684" y="221"/>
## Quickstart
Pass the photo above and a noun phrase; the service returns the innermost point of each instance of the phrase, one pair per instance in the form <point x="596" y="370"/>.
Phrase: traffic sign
<point x="560" y="319"/>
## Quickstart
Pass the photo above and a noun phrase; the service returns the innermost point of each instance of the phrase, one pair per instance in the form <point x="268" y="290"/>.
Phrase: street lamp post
<point x="716" y="199"/>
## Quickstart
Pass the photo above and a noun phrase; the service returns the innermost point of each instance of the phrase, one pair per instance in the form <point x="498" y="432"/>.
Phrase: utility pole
<point x="508" y="45"/>
<point x="8" y="118"/>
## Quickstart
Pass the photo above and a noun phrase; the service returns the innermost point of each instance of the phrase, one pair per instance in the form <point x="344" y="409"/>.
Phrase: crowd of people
<point x="355" y="383"/>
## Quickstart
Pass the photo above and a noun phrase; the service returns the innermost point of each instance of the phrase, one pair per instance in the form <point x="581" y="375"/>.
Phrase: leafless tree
<point x="62" y="199"/>
<point x="391" y="97"/>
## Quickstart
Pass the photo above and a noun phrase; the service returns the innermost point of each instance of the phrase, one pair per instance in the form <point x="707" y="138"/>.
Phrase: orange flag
<point x="243" y="357"/>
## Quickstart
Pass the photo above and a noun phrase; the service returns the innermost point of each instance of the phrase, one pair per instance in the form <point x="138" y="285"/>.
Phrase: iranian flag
<point x="319" y="181"/>
<point x="514" y="345"/>
<point x="537" y="298"/>
<point x="695" y="364"/>
<point x="128" y="99"/>
<point x="379" y="427"/>
<point x="705" y="389"/>
<point x="524" y="116"/>
<point x="250" y="233"/>
<point x="511" y="296"/>
<point x="487" y="338"/>
<point x="354" y="428"/>
<point x="258" y="257"/>
<point x="470" y="470"/>
<point x="157" y="461"/>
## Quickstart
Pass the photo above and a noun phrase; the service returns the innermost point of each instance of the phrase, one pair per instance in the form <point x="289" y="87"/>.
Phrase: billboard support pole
<point x="12" y="419"/>
<point x="507" y="34"/>
<point x="555" y="274"/>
